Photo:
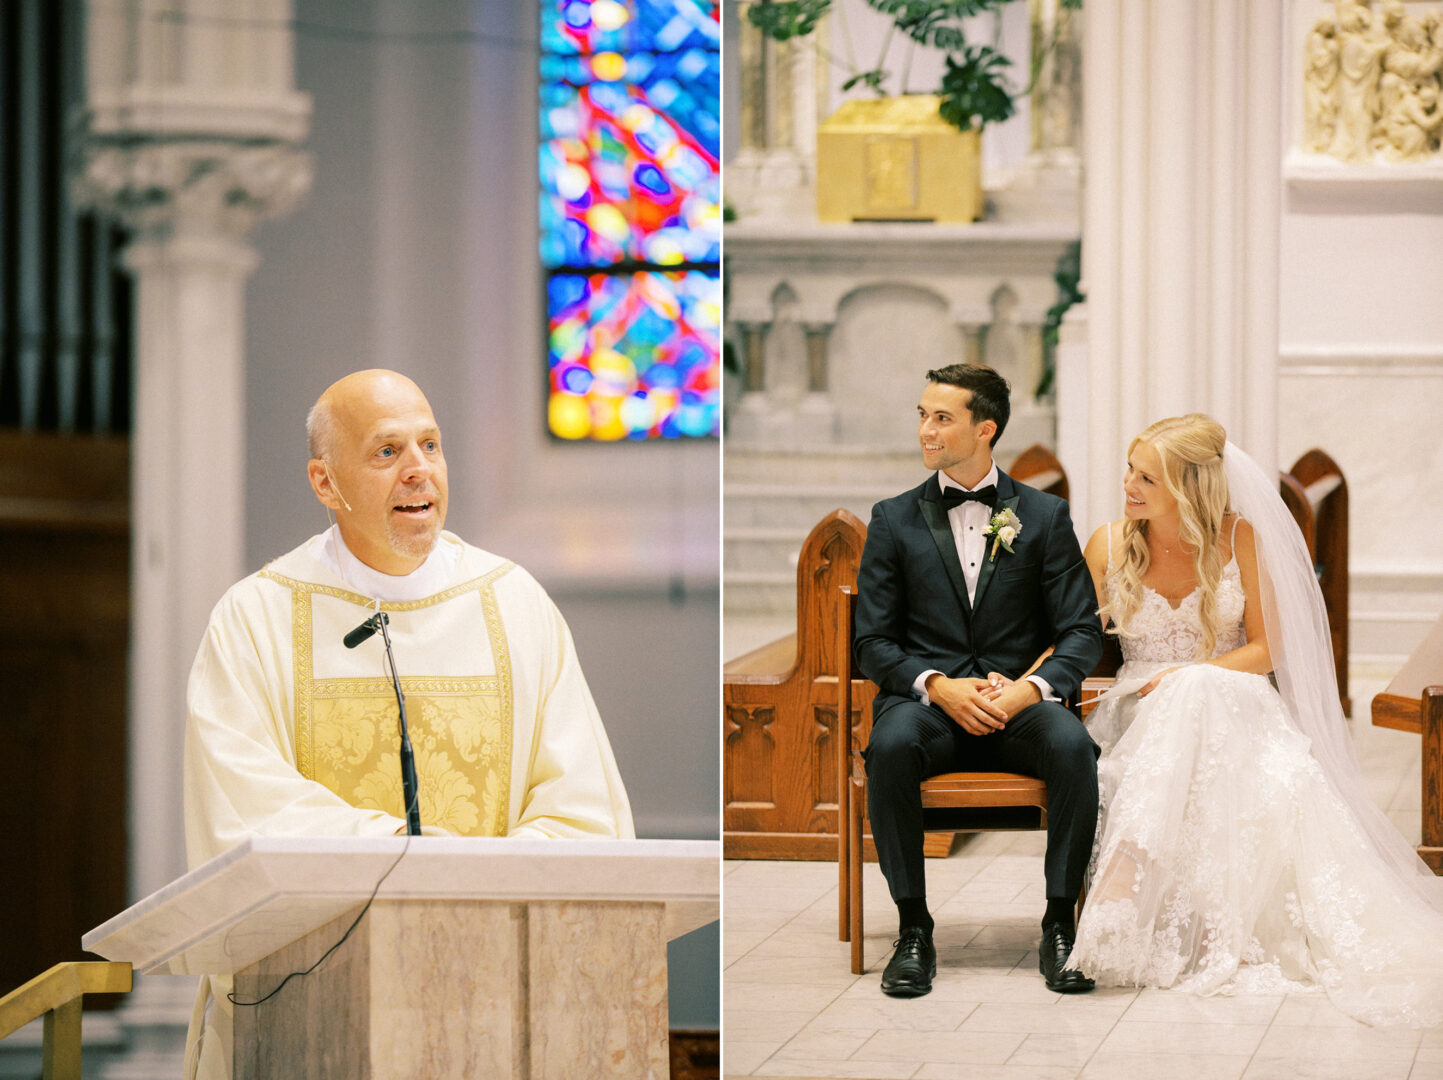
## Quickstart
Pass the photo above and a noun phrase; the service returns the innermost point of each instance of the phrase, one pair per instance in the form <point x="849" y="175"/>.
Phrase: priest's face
<point x="386" y="471"/>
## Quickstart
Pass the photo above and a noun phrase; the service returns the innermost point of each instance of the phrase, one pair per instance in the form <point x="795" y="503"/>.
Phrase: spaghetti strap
<point x="1233" y="536"/>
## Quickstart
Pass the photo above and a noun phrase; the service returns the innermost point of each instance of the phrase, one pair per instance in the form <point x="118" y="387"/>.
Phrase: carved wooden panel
<point x="751" y="747"/>
<point x="824" y="758"/>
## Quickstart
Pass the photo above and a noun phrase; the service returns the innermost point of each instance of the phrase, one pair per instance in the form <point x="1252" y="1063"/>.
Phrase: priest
<point x="292" y="733"/>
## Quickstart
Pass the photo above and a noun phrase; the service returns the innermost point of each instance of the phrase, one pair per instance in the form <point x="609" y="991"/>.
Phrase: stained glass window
<point x="630" y="212"/>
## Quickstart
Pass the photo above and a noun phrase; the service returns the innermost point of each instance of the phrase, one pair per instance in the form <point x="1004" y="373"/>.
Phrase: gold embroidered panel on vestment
<point x="348" y="734"/>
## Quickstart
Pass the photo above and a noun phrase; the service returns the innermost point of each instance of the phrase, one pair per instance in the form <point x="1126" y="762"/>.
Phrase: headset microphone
<point x="336" y="489"/>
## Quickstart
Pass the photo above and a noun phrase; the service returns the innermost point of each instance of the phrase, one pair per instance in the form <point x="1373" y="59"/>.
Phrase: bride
<point x="1237" y="850"/>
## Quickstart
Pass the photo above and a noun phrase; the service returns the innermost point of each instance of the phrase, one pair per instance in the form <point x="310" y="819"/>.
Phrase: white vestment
<point x="289" y="733"/>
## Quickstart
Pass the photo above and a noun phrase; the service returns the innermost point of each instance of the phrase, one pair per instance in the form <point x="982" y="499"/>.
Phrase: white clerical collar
<point x="991" y="478"/>
<point x="429" y="578"/>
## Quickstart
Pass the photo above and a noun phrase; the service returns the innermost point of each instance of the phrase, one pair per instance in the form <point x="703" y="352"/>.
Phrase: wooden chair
<point x="1038" y="467"/>
<point x="951" y="802"/>
<point x="1413" y="701"/>
<point x="1327" y="492"/>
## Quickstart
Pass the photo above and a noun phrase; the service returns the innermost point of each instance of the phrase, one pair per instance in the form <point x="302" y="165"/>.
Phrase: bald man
<point x="291" y="733"/>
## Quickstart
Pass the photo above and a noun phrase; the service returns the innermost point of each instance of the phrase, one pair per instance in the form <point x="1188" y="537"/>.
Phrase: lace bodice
<point x="1159" y="634"/>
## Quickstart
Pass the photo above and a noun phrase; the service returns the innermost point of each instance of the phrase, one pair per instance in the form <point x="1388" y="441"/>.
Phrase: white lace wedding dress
<point x="1225" y="860"/>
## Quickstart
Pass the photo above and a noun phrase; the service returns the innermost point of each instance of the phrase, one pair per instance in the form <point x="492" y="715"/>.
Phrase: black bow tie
<point x="952" y="496"/>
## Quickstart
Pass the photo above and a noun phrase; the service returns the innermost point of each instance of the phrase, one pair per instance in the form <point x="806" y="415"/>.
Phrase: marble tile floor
<point x="792" y="1008"/>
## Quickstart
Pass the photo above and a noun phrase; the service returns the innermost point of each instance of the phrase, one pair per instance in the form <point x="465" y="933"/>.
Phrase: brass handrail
<point x="56" y="996"/>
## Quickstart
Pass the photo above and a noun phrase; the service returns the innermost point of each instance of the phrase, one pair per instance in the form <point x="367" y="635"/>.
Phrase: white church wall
<point x="1361" y="365"/>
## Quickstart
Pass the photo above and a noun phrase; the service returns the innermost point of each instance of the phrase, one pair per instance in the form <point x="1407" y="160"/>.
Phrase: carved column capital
<point x="213" y="185"/>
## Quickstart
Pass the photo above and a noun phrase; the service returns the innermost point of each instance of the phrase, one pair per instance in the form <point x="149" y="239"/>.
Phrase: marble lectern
<point x="478" y="957"/>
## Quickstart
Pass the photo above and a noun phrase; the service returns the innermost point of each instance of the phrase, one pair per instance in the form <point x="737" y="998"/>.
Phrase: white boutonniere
<point x="1004" y="528"/>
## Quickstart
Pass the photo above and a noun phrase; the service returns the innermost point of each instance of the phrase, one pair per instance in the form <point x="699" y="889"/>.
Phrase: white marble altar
<point x="552" y="951"/>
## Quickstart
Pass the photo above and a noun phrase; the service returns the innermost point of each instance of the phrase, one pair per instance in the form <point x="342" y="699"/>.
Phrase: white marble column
<point x="191" y="136"/>
<point x="1183" y="118"/>
<point x="771" y="174"/>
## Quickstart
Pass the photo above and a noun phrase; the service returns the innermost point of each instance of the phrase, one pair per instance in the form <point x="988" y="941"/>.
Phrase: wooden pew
<point x="1316" y="494"/>
<point x="1413" y="702"/>
<point x="1038" y="467"/>
<point x="779" y="706"/>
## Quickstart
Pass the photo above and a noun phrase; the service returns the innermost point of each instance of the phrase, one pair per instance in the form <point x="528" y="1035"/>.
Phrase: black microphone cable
<point x="412" y="810"/>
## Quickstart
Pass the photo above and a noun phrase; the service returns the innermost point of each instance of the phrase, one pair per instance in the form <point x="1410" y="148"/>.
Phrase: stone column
<point x="1180" y="250"/>
<point x="1056" y="99"/>
<point x="191" y="136"/>
<point x="772" y="171"/>
<point x="818" y="411"/>
<point x="754" y="366"/>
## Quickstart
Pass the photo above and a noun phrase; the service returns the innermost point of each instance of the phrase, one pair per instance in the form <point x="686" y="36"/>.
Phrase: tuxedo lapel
<point x="989" y="564"/>
<point x="935" y="515"/>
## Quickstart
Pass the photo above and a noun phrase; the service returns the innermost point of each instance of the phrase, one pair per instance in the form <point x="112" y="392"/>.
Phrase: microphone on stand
<point x="409" y="795"/>
<point x="362" y="632"/>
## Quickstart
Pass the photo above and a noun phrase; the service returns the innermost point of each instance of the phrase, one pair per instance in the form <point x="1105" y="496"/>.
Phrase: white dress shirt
<point x="969" y="523"/>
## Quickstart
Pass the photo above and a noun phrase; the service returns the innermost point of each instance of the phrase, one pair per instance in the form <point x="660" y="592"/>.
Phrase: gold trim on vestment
<point x="453" y="746"/>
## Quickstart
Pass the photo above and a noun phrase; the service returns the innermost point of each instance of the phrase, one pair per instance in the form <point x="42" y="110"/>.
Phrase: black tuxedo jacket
<point x="912" y="608"/>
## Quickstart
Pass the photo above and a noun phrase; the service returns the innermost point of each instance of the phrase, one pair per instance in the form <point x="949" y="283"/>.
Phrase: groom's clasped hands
<point x="982" y="706"/>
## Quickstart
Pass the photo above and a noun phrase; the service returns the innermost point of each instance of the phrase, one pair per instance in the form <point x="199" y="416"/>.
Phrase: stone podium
<point x="478" y="957"/>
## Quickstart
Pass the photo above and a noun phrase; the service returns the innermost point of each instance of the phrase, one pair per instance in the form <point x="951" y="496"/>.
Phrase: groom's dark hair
<point x="991" y="396"/>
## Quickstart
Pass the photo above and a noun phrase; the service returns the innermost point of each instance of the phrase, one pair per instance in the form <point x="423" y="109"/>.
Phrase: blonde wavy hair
<point x="1191" y="449"/>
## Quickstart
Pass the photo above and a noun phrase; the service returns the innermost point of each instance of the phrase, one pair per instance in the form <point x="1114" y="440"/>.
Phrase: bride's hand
<point x="1151" y="685"/>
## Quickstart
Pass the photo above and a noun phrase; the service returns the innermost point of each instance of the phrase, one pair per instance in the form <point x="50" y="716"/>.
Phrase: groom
<point x="942" y="607"/>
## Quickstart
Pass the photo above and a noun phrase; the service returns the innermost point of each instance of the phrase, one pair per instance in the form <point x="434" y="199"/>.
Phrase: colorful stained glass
<point x="624" y="177"/>
<point x="634" y="355"/>
<point x="630" y="183"/>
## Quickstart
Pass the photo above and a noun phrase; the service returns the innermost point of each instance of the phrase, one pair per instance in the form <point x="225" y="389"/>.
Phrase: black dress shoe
<point x="909" y="973"/>
<point x="1052" y="954"/>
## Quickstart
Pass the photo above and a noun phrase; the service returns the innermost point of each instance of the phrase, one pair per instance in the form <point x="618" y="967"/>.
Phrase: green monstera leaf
<point x="788" y="19"/>
<point x="975" y="89"/>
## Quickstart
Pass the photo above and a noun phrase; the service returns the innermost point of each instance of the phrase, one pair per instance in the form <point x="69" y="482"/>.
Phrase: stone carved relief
<point x="786" y="348"/>
<point x="1371" y="83"/>
<point x="1320" y="83"/>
